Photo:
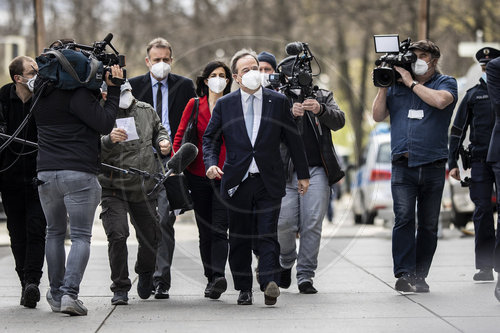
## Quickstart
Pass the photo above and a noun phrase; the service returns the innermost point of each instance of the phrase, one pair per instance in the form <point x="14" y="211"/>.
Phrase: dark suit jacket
<point x="180" y="91"/>
<point x="276" y="125"/>
<point x="493" y="77"/>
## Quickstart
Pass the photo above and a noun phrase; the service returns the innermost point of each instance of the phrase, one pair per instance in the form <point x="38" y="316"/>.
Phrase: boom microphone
<point x="108" y="38"/>
<point x="184" y="156"/>
<point x="294" y="48"/>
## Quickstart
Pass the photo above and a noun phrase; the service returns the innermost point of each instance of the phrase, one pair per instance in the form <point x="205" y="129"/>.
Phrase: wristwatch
<point x="413" y="84"/>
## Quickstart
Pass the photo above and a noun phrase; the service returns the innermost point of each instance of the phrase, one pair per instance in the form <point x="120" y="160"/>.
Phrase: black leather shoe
<point x="161" y="292"/>
<point x="218" y="287"/>
<point x="31" y="295"/>
<point x="271" y="293"/>
<point x="484" y="275"/>
<point x="307" y="288"/>
<point x="497" y="290"/>
<point x="405" y="284"/>
<point x="421" y="286"/>
<point x="245" y="298"/>
<point x="144" y="285"/>
<point x="286" y="278"/>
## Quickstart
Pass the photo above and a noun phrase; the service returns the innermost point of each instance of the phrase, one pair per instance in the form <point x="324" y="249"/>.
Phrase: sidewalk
<point x="354" y="280"/>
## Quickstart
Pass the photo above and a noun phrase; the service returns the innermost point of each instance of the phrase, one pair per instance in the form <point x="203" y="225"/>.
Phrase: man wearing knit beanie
<point x="267" y="62"/>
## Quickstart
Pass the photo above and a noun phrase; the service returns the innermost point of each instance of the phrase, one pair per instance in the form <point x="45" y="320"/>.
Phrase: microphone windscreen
<point x="108" y="38"/>
<point x="184" y="156"/>
<point x="294" y="48"/>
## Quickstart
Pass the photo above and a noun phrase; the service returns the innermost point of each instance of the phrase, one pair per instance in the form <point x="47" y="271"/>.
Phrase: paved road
<point x="354" y="280"/>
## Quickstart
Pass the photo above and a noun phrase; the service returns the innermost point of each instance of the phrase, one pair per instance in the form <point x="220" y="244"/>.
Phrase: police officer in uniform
<point x="475" y="111"/>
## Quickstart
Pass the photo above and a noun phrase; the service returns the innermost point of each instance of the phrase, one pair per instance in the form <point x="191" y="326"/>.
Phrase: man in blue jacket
<point x="253" y="121"/>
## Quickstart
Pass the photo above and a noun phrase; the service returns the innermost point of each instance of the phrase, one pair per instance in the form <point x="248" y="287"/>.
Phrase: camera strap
<point x="94" y="65"/>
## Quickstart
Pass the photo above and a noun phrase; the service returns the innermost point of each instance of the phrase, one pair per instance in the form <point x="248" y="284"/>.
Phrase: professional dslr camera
<point x="396" y="54"/>
<point x="69" y="65"/>
<point x="295" y="77"/>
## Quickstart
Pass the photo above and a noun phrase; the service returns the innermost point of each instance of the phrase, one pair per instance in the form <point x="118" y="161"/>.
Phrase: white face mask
<point x="160" y="70"/>
<point x="30" y="83"/>
<point x="264" y="79"/>
<point x="126" y="99"/>
<point x="419" y="67"/>
<point x="484" y="77"/>
<point x="251" y="80"/>
<point x="217" y="84"/>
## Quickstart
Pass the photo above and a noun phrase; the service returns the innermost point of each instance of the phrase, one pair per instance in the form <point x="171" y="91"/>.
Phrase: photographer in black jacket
<point x="70" y="124"/>
<point x="304" y="214"/>
<point x="25" y="219"/>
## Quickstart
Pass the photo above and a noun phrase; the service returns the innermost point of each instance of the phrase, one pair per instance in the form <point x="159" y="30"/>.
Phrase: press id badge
<point x="415" y="114"/>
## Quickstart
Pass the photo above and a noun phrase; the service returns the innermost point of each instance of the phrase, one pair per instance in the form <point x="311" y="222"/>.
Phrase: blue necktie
<point x="249" y="117"/>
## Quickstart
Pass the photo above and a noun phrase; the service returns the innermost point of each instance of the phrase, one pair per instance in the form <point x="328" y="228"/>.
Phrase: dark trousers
<point x="144" y="218"/>
<point x="421" y="188"/>
<point x="26" y="225"/>
<point x="211" y="219"/>
<point x="481" y="189"/>
<point x="166" y="244"/>
<point x="496" y="170"/>
<point x="251" y="204"/>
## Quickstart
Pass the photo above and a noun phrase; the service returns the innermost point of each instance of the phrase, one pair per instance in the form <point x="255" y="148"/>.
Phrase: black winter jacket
<point x="17" y="161"/>
<point x="329" y="118"/>
<point x="70" y="124"/>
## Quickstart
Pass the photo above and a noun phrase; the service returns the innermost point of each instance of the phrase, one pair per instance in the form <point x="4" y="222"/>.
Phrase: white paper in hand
<point x="128" y="124"/>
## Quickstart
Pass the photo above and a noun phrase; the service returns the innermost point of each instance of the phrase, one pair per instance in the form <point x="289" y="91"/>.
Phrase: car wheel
<point x="357" y="219"/>
<point x="369" y="217"/>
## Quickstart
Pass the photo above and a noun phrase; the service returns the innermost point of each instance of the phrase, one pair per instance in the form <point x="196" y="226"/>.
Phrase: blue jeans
<point x="303" y="214"/>
<point x="421" y="187"/>
<point x="73" y="196"/>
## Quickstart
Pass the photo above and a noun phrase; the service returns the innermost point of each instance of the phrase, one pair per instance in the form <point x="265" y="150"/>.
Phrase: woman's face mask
<point x="217" y="84"/>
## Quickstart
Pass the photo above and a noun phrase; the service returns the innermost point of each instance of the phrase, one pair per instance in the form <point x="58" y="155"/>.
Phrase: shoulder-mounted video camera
<point x="294" y="75"/>
<point x="70" y="65"/>
<point x="396" y="54"/>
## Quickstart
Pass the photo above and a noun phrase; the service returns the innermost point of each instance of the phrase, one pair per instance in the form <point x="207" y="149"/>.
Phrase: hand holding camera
<point x="406" y="77"/>
<point x="297" y="110"/>
<point x="312" y="105"/>
<point x="114" y="76"/>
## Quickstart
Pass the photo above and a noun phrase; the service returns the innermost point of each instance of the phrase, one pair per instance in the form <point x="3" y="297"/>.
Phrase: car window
<point x="384" y="153"/>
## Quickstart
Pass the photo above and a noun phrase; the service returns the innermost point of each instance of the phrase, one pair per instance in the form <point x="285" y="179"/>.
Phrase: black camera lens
<point x="383" y="77"/>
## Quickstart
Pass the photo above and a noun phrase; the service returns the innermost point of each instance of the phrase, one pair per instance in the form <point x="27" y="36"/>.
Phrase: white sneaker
<point x="73" y="307"/>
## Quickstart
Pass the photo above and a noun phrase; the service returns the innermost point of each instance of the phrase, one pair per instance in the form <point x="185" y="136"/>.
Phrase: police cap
<point x="486" y="54"/>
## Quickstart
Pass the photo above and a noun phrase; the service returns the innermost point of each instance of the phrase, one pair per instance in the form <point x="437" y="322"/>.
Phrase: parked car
<point x="371" y="189"/>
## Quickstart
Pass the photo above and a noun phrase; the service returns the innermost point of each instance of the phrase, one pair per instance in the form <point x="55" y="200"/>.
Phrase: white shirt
<point x="257" y="116"/>
<point x="164" y="102"/>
